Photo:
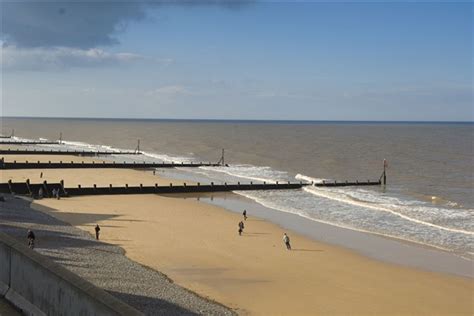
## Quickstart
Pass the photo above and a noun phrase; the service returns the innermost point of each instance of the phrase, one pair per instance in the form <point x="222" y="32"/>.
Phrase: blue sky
<point x="256" y="60"/>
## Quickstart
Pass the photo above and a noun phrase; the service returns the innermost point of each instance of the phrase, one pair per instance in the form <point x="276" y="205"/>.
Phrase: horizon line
<point x="233" y="120"/>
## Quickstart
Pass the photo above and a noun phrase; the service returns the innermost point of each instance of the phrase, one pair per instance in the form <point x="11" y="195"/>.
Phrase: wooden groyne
<point x="29" y="142"/>
<point x="99" y="165"/>
<point x="346" y="183"/>
<point x="45" y="189"/>
<point x="82" y="153"/>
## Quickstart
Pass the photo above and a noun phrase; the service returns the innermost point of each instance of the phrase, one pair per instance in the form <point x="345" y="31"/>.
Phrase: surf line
<point x="379" y="208"/>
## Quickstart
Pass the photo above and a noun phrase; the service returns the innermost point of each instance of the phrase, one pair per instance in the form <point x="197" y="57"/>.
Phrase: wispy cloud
<point x="59" y="58"/>
<point x="168" y="91"/>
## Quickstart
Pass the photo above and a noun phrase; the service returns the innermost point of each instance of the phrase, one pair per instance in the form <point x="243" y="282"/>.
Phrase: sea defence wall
<point x="100" y="165"/>
<point x="37" y="286"/>
<point x="30" y="189"/>
<point x="28" y="142"/>
<point x="65" y="152"/>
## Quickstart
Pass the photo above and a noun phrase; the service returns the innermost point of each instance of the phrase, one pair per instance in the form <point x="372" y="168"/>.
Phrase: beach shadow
<point x="49" y="240"/>
<point x="83" y="219"/>
<point x="152" y="305"/>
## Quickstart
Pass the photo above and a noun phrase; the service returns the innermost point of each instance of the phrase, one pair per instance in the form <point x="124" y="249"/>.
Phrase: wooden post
<point x="138" y="147"/>
<point x="384" y="172"/>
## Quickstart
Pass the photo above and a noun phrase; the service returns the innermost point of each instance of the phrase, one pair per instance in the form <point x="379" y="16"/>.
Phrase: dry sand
<point x="197" y="245"/>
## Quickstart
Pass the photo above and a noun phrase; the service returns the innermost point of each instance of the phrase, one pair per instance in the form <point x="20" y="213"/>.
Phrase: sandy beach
<point x="197" y="245"/>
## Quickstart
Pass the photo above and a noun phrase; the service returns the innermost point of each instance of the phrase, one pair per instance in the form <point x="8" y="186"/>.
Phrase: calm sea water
<point x="428" y="200"/>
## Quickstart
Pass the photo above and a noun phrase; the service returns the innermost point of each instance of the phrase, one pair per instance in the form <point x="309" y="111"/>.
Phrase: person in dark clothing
<point x="241" y="227"/>
<point x="245" y="214"/>
<point x="31" y="239"/>
<point x="97" y="230"/>
<point x="286" y="240"/>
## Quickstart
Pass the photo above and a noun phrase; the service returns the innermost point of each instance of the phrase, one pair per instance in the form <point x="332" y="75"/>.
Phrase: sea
<point x="428" y="198"/>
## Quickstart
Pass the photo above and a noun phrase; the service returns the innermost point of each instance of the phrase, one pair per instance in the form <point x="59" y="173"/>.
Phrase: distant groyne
<point x="100" y="165"/>
<point x="65" y="152"/>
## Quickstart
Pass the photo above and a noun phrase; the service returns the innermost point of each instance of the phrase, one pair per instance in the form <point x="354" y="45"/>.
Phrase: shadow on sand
<point x="162" y="307"/>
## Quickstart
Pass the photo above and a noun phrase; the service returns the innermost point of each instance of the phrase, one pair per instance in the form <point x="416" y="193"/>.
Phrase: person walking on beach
<point x="241" y="228"/>
<point x="97" y="230"/>
<point x="245" y="215"/>
<point x="286" y="240"/>
<point x="31" y="239"/>
<point x="41" y="175"/>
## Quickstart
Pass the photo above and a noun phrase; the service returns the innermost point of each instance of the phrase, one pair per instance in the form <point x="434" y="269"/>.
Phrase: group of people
<point x="286" y="238"/>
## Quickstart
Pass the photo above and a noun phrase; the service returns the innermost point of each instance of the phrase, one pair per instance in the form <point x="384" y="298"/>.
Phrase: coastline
<point x="196" y="244"/>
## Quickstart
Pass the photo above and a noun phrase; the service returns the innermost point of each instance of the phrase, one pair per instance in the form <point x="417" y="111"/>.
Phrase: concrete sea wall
<point x="38" y="286"/>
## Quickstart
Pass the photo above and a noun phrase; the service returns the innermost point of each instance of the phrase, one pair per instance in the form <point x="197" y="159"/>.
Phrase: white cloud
<point x="59" y="58"/>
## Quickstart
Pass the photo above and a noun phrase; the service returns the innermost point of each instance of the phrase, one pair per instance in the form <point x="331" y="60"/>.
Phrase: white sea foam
<point x="250" y="172"/>
<point x="270" y="203"/>
<point x="310" y="179"/>
<point x="76" y="145"/>
<point x="341" y="198"/>
<point x="167" y="158"/>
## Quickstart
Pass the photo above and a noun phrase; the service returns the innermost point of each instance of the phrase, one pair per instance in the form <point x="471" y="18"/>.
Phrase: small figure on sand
<point x="31" y="239"/>
<point x="55" y="193"/>
<point x="245" y="215"/>
<point x="154" y="172"/>
<point x="97" y="230"/>
<point x="41" y="175"/>
<point x="286" y="240"/>
<point x="241" y="227"/>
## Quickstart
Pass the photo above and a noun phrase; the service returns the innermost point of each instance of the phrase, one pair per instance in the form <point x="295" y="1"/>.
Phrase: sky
<point x="389" y="61"/>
